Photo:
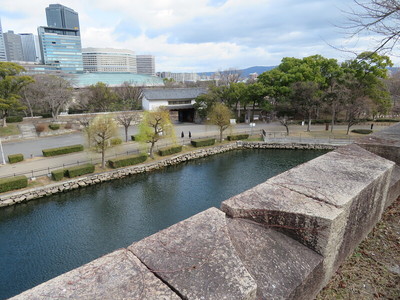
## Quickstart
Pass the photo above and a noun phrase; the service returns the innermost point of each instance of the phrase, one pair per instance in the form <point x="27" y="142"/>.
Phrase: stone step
<point x="27" y="130"/>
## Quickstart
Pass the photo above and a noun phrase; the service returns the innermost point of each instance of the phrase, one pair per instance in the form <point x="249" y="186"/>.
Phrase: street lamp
<point x="2" y="153"/>
<point x="251" y="126"/>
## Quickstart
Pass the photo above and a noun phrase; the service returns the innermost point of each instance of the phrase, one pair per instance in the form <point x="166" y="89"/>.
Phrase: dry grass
<point x="11" y="129"/>
<point x="373" y="270"/>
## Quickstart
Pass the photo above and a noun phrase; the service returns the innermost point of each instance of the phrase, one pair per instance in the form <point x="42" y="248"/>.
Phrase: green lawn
<point x="11" y="129"/>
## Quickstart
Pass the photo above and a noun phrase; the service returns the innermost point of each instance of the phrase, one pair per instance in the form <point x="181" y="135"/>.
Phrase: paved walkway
<point x="39" y="165"/>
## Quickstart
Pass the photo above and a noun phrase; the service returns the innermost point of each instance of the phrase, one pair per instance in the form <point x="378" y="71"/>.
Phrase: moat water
<point x="50" y="236"/>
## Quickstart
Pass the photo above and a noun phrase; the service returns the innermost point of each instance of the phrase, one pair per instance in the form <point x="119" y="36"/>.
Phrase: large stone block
<point x="196" y="257"/>
<point x="329" y="204"/>
<point x="282" y="267"/>
<point x="385" y="143"/>
<point x="394" y="186"/>
<point x="118" y="275"/>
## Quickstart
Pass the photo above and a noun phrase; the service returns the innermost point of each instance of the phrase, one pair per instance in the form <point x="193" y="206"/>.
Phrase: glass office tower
<point x="28" y="47"/>
<point x="61" y="48"/>
<point x="60" y="16"/>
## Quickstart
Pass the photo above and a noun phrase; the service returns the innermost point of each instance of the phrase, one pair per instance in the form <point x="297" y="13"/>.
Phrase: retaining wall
<point x="282" y="239"/>
<point x="15" y="197"/>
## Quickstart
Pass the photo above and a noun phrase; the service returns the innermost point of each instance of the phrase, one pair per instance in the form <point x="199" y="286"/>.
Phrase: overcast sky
<point x="202" y="35"/>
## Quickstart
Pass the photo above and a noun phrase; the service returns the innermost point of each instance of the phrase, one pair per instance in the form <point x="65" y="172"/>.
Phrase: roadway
<point x="34" y="160"/>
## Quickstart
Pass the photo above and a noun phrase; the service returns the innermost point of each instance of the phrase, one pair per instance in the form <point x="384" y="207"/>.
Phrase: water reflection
<point x="44" y="238"/>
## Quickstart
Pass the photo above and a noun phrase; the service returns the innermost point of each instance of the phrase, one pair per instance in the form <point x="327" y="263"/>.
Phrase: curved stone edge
<point x="12" y="198"/>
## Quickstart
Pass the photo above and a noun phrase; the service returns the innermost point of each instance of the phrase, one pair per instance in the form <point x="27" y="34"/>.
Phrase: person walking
<point x="182" y="135"/>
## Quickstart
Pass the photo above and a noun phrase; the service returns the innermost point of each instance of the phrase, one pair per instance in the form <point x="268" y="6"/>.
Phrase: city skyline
<point x="199" y="36"/>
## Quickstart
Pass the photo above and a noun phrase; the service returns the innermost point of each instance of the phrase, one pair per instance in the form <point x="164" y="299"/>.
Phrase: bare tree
<point x="51" y="93"/>
<point x="381" y="17"/>
<point x="130" y="96"/>
<point x="32" y="97"/>
<point x="127" y="119"/>
<point x="393" y="84"/>
<point x="227" y="77"/>
<point x="84" y="121"/>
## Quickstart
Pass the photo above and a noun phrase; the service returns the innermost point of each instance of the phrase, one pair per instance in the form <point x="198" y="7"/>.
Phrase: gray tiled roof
<point x="175" y="93"/>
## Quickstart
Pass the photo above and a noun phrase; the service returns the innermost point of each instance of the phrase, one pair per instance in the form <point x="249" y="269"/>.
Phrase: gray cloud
<point x="257" y="26"/>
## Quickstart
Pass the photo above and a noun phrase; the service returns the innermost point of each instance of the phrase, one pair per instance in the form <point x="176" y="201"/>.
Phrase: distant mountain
<point x="256" y="69"/>
<point x="246" y="72"/>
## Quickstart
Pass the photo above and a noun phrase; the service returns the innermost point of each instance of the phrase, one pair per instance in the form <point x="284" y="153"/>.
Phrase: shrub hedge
<point x="237" y="137"/>
<point x="14" y="158"/>
<point x="127" y="161"/>
<point x="133" y="138"/>
<point x="13" y="183"/>
<point x="46" y="115"/>
<point x="62" y="150"/>
<point x="79" y="170"/>
<point x="362" y="131"/>
<point x="57" y="175"/>
<point x="203" y="142"/>
<point x="54" y="126"/>
<point x="14" y="119"/>
<point x="169" y="150"/>
<point x="116" y="141"/>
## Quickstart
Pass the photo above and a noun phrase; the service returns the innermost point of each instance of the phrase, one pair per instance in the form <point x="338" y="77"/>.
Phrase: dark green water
<point x="45" y="238"/>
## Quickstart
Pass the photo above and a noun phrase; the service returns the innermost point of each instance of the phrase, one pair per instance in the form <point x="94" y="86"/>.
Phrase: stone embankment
<point x="282" y="239"/>
<point x="59" y="187"/>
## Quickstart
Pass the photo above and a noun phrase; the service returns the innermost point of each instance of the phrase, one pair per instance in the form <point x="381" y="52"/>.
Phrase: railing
<point x="282" y="137"/>
<point x="47" y="171"/>
<point x="269" y="137"/>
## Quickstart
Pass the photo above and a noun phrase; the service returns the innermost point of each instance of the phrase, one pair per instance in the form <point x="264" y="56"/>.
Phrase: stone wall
<point x="12" y="198"/>
<point x="282" y="239"/>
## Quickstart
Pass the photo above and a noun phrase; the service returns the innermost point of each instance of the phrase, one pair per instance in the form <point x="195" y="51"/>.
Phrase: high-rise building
<point x="60" y="16"/>
<point x="108" y="60"/>
<point x="29" y="47"/>
<point x="60" y="42"/>
<point x="13" y="45"/>
<point x="61" y="48"/>
<point x="3" y="56"/>
<point x="146" y="65"/>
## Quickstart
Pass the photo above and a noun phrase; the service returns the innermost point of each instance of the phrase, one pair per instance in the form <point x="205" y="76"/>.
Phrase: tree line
<point x="311" y="86"/>
<point x="44" y="94"/>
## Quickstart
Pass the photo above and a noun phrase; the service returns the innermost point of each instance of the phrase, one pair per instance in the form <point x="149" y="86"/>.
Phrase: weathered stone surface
<point x="197" y="258"/>
<point x="282" y="267"/>
<point x="118" y="275"/>
<point x="329" y="204"/>
<point x="394" y="186"/>
<point x="336" y="177"/>
<point x="385" y="143"/>
<point x="281" y="208"/>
